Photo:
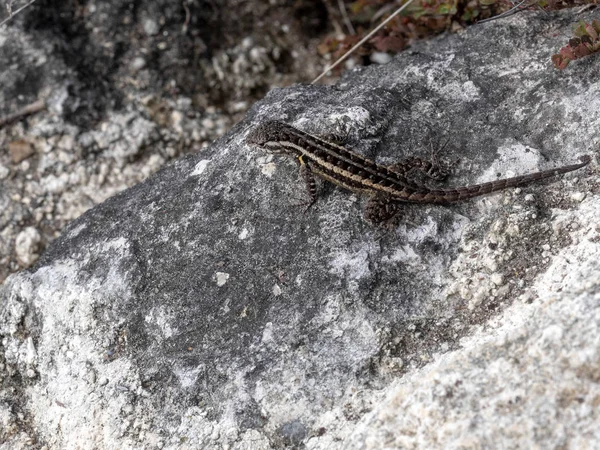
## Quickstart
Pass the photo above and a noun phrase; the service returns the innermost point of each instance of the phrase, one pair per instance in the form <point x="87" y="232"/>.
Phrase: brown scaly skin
<point x="385" y="185"/>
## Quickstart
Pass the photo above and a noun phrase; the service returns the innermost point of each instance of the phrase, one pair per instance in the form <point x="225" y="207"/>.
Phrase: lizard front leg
<point x="309" y="179"/>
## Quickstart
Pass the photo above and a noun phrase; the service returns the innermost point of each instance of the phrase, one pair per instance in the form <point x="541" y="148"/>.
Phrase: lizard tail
<point x="452" y="195"/>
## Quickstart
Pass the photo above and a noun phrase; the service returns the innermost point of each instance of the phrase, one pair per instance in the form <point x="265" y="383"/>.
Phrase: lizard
<point x="387" y="186"/>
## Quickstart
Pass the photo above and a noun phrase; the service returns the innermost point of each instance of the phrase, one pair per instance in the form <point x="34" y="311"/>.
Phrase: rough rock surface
<point x="125" y="87"/>
<point x="201" y="309"/>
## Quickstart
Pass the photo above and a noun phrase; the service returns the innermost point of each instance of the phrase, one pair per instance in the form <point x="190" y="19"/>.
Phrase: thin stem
<point x="344" y="13"/>
<point x="13" y="14"/>
<point x="363" y="40"/>
<point x="32" y="108"/>
<point x="511" y="11"/>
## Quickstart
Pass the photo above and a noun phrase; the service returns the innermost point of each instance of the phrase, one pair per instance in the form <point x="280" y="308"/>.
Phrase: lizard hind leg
<point x="433" y="168"/>
<point x="381" y="210"/>
<point x="439" y="169"/>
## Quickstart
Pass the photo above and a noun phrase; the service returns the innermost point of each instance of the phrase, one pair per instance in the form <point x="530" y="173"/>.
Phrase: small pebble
<point x="208" y="123"/>
<point x="184" y="103"/>
<point x="247" y="42"/>
<point x="20" y="150"/>
<point x="380" y="57"/>
<point x="151" y="28"/>
<point x="578" y="196"/>
<point x="26" y="246"/>
<point x="138" y="63"/>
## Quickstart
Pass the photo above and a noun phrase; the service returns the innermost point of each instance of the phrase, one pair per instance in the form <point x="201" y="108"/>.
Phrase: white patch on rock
<point x="243" y="234"/>
<point x="188" y="376"/>
<point x="350" y="265"/>
<point x="422" y="232"/>
<point x="464" y="92"/>
<point x="512" y="159"/>
<point x="267" y="335"/>
<point x="200" y="167"/>
<point x="404" y="254"/>
<point x="160" y="318"/>
<point x="276" y="290"/>
<point x="30" y="354"/>
<point x="78" y="229"/>
<point x="71" y="344"/>
<point x="221" y="278"/>
<point x="268" y="169"/>
<point x="356" y="115"/>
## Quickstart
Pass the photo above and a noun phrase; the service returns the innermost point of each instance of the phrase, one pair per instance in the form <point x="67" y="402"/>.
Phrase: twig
<point x="9" y="7"/>
<point x="382" y="11"/>
<point x="187" y="17"/>
<point x="515" y="9"/>
<point x="363" y="40"/>
<point x="344" y="13"/>
<point x="13" y="14"/>
<point x="32" y="108"/>
<point x="584" y="8"/>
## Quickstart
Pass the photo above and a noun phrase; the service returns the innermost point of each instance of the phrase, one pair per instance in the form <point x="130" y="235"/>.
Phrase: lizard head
<point x="268" y="134"/>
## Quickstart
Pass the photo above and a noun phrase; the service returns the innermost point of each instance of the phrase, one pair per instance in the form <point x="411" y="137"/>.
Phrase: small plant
<point x="425" y="18"/>
<point x="583" y="44"/>
<point x="422" y="18"/>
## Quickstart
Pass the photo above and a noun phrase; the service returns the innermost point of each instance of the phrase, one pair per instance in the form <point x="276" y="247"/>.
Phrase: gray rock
<point x="217" y="315"/>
